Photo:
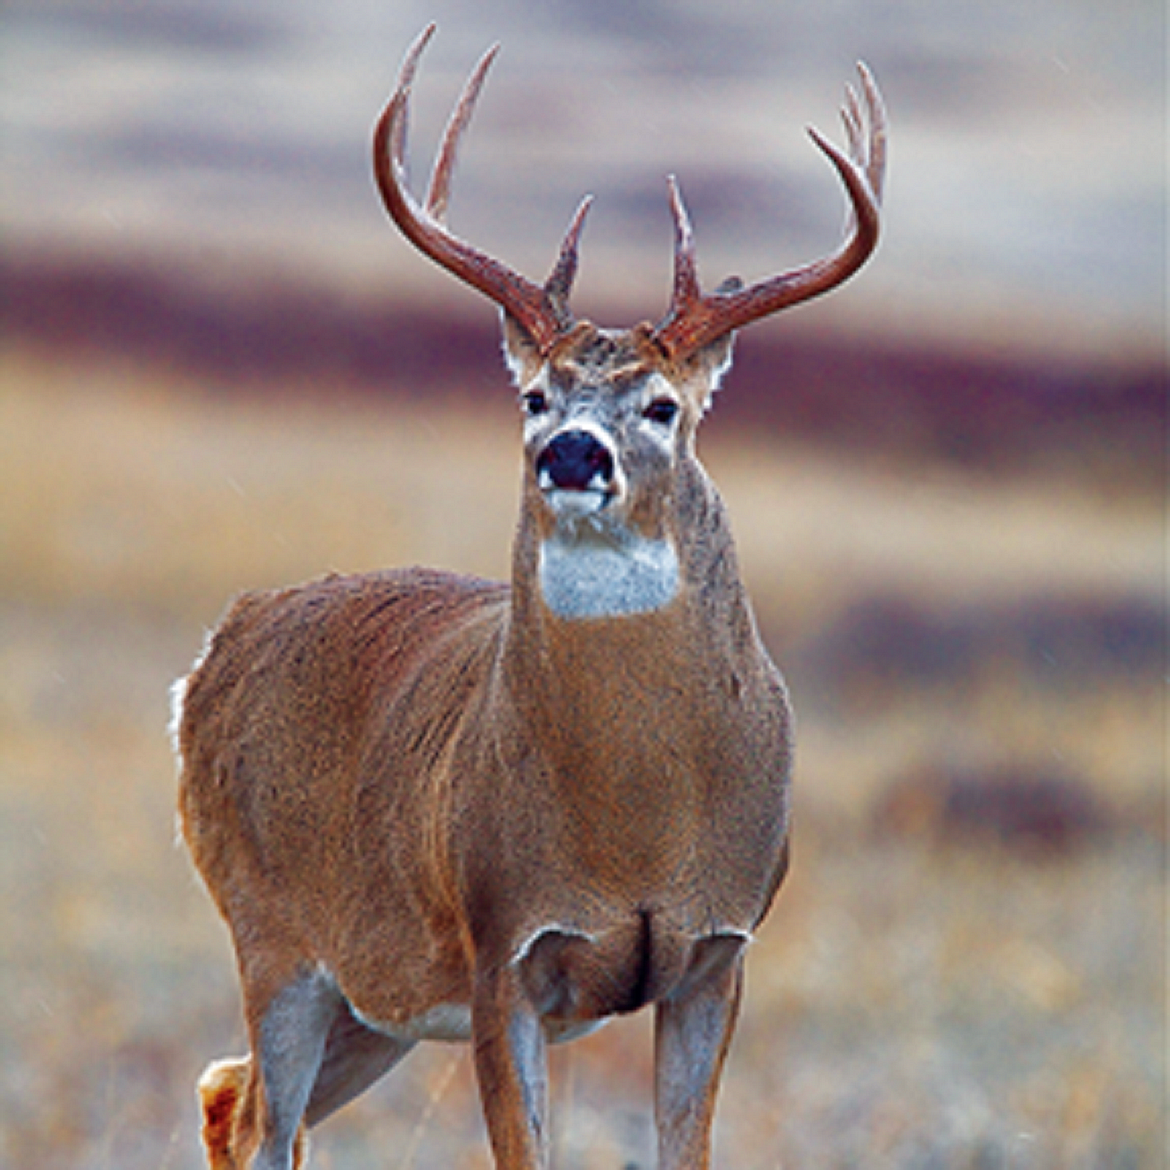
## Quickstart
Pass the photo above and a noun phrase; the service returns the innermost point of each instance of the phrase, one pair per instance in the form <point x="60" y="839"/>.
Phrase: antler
<point x="542" y="310"/>
<point x="696" y="319"/>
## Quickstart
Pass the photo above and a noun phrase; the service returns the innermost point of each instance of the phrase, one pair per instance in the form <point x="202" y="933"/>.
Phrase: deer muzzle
<point x="577" y="472"/>
<point x="576" y="461"/>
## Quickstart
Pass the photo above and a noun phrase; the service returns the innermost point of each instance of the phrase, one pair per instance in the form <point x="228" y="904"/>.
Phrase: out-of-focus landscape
<point x="222" y="370"/>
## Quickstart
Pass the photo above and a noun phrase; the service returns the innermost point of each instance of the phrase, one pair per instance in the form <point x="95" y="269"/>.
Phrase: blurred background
<point x="222" y="369"/>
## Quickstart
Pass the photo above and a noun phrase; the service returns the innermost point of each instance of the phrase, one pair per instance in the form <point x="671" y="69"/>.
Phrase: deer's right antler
<point x="543" y="310"/>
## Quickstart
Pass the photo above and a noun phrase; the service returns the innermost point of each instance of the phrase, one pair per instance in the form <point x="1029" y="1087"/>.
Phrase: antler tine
<point x="696" y="319"/>
<point x="439" y="190"/>
<point x="402" y="92"/>
<point x="559" y="284"/>
<point x="687" y="291"/>
<point x="541" y="311"/>
<point x="876" y="112"/>
<point x="851" y="120"/>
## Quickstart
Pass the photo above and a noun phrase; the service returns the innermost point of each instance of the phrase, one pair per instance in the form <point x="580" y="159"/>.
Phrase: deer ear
<point x="708" y="366"/>
<point x="715" y="357"/>
<point x="521" y="353"/>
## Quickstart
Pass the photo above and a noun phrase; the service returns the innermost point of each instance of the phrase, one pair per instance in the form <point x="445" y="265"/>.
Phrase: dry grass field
<point x="966" y="969"/>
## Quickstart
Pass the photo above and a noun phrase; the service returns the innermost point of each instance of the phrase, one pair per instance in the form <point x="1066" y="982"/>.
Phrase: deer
<point x="432" y="807"/>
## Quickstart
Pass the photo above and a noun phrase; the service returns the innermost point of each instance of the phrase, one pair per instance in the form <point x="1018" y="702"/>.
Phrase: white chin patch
<point x="587" y="573"/>
<point x="575" y="505"/>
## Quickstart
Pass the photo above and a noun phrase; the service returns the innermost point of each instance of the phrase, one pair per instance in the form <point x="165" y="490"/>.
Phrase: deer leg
<point x="290" y="1046"/>
<point x="224" y="1095"/>
<point x="355" y="1057"/>
<point x="253" y="1109"/>
<point x="511" y="1066"/>
<point x="693" y="1033"/>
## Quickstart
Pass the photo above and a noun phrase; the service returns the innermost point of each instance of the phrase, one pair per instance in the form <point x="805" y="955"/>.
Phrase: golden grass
<point x="908" y="1004"/>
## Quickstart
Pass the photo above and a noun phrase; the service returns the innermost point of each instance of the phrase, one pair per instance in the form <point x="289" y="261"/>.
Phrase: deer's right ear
<point x="522" y="355"/>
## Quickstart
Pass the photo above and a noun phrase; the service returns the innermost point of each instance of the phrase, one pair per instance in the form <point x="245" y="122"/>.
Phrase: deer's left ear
<point x="705" y="369"/>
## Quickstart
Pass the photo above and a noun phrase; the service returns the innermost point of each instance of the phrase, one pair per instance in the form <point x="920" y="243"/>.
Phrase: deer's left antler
<point x="696" y="319"/>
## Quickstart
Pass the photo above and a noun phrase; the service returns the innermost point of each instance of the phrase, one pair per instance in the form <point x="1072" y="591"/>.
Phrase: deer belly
<point x="576" y="980"/>
<point x="444" y="1021"/>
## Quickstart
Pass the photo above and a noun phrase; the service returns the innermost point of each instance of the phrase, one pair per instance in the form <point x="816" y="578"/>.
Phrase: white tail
<point x="435" y="807"/>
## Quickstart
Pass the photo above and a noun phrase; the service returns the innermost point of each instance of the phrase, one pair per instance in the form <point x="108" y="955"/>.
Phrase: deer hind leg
<point x="254" y="1108"/>
<point x="355" y="1057"/>
<point x="223" y="1088"/>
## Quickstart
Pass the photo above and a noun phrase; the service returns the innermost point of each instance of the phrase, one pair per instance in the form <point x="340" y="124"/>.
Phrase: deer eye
<point x="662" y="411"/>
<point x="535" y="402"/>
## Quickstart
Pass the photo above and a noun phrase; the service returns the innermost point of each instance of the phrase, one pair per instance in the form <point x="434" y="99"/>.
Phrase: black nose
<point x="575" y="460"/>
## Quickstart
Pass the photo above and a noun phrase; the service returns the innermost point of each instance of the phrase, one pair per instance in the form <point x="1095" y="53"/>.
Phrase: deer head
<point x="610" y="414"/>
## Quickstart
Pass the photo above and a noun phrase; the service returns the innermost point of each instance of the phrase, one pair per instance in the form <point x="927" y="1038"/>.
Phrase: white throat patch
<point x="595" y="573"/>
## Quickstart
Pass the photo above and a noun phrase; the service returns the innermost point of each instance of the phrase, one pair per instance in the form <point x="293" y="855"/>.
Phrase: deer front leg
<point x="693" y="1033"/>
<point x="511" y="1066"/>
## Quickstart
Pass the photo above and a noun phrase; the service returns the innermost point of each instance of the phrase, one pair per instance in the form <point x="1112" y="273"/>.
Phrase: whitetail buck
<point x="438" y="808"/>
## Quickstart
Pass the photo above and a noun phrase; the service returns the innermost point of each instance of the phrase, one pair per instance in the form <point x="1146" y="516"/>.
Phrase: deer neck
<point x="630" y="709"/>
<point x="610" y="627"/>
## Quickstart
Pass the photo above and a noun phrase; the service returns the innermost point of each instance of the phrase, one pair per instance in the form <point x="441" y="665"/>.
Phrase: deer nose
<point x="575" y="461"/>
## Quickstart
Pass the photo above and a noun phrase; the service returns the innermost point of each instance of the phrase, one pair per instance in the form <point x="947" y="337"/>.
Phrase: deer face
<point x="607" y="426"/>
<point x="604" y="429"/>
